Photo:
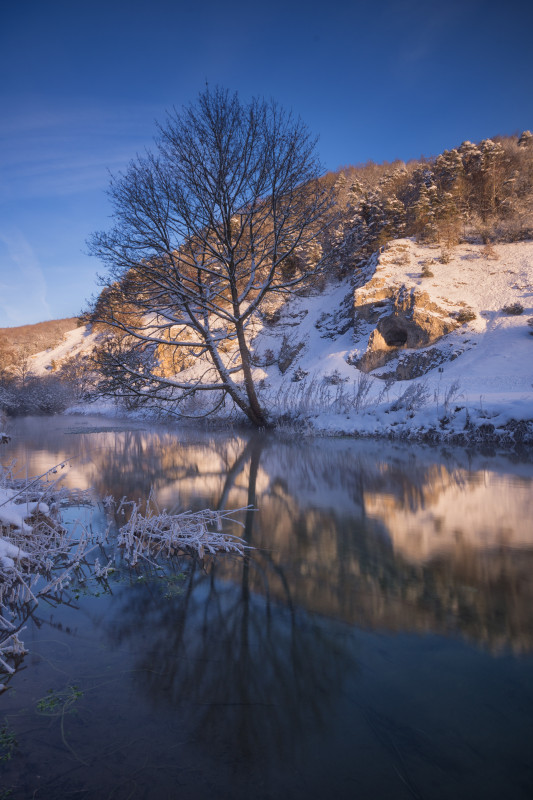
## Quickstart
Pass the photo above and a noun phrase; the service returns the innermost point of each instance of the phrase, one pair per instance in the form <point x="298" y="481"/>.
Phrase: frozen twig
<point x="34" y="544"/>
<point x="195" y="532"/>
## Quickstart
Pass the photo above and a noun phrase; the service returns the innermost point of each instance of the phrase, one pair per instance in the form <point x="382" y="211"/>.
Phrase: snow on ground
<point x="304" y="350"/>
<point x="13" y="514"/>
<point x="80" y="340"/>
<point x="489" y="383"/>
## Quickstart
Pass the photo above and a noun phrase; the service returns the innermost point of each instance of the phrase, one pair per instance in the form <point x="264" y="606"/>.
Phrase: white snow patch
<point x="76" y="342"/>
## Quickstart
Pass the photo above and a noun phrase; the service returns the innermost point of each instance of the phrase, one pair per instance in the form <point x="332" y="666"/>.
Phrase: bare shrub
<point x="489" y="251"/>
<point x="513" y="310"/>
<point x="413" y="398"/>
<point x="297" y="400"/>
<point x="464" y="315"/>
<point x="160" y="533"/>
<point x="363" y="385"/>
<point x="450" y="395"/>
<point x="385" y="390"/>
<point x="78" y="373"/>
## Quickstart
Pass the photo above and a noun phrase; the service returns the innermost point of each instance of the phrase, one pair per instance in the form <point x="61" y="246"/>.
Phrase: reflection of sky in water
<point x="364" y="650"/>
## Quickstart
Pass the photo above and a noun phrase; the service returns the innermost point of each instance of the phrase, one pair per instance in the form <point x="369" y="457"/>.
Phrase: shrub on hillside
<point x="465" y="315"/>
<point x="513" y="310"/>
<point x="489" y="252"/>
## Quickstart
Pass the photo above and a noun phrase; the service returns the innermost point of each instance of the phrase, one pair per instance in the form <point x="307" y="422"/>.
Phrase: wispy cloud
<point x="23" y="291"/>
<point x="50" y="153"/>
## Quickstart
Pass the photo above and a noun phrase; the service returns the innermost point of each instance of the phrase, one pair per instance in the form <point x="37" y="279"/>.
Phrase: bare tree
<point x="222" y="214"/>
<point x="21" y="365"/>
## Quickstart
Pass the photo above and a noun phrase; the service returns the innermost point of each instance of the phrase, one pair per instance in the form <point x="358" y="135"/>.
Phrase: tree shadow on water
<point x="250" y="678"/>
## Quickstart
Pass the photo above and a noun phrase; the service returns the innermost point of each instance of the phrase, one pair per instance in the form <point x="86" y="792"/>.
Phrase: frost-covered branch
<point x="37" y="552"/>
<point x="159" y="533"/>
<point x="40" y="556"/>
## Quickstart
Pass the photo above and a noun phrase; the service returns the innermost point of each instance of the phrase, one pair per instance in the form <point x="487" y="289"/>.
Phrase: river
<point x="377" y="643"/>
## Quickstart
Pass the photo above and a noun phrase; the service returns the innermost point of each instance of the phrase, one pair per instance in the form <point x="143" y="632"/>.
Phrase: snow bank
<point x="14" y="514"/>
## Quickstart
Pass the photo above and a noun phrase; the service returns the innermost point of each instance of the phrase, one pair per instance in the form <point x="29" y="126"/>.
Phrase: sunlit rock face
<point x="406" y="318"/>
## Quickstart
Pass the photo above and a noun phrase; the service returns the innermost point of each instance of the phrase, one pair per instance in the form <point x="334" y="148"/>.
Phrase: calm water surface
<point x="379" y="642"/>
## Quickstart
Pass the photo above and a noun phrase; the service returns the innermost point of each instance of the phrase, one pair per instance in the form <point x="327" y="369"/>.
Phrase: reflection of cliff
<point x="473" y="511"/>
<point x="389" y="537"/>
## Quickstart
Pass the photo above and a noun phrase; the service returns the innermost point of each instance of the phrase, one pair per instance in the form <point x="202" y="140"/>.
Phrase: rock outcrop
<point x="405" y="318"/>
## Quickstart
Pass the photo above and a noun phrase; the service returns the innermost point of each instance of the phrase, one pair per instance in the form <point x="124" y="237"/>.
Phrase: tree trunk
<point x="254" y="412"/>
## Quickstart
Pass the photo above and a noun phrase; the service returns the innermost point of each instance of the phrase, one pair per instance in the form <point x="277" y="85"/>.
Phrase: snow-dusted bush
<point x="37" y="553"/>
<point x="513" y="310"/>
<point x="465" y="315"/>
<point x="37" y="395"/>
<point x="299" y="374"/>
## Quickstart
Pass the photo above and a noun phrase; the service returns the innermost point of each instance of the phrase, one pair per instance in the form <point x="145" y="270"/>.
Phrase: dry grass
<point x="38" y="337"/>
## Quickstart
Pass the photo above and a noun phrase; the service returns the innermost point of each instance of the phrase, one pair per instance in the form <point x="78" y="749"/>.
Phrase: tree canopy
<point x="223" y="212"/>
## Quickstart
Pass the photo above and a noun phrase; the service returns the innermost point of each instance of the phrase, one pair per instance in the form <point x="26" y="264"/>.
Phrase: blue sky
<point x="81" y="85"/>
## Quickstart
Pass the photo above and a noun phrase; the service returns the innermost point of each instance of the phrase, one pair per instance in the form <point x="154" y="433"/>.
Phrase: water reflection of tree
<point x="244" y="673"/>
<point x="249" y="675"/>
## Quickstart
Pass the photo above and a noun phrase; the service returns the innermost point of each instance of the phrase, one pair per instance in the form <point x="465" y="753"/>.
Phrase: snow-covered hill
<point x="421" y="343"/>
<point x="469" y="369"/>
<point x="75" y="342"/>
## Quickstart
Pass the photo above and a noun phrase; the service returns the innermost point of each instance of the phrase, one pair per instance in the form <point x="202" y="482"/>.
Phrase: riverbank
<point x="421" y="344"/>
